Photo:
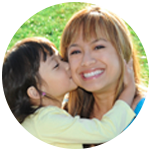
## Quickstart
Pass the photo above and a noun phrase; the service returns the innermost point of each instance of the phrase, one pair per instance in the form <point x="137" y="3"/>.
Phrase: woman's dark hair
<point x="20" y="71"/>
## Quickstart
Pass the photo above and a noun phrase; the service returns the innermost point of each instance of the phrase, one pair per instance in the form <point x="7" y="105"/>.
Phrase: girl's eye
<point x="99" y="47"/>
<point x="75" y="52"/>
<point x="56" y="65"/>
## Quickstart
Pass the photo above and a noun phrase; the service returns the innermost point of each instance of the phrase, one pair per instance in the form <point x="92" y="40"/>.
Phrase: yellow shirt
<point x="57" y="127"/>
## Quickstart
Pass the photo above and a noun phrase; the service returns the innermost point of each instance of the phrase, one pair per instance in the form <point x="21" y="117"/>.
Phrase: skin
<point x="56" y="81"/>
<point x="97" y="54"/>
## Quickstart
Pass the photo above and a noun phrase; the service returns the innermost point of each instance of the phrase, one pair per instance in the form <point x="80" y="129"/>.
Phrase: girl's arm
<point x="54" y="125"/>
<point x="57" y="126"/>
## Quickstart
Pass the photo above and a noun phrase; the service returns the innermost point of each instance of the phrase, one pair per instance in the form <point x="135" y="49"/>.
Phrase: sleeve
<point x="63" y="128"/>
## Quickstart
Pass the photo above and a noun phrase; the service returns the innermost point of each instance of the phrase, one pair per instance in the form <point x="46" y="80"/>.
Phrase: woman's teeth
<point x="91" y="74"/>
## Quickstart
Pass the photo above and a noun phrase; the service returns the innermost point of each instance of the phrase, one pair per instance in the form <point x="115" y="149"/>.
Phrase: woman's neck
<point x="103" y="103"/>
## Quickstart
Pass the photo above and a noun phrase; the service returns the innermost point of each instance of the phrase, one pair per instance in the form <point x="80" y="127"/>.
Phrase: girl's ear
<point x="33" y="93"/>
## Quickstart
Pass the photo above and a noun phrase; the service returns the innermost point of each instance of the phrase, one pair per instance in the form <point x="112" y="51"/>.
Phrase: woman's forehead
<point x="91" y="36"/>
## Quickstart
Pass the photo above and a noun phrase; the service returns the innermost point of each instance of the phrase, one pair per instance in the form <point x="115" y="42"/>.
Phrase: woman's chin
<point x="74" y="87"/>
<point x="92" y="88"/>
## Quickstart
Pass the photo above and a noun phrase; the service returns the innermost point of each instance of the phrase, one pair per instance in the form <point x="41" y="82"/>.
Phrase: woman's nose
<point x="87" y="60"/>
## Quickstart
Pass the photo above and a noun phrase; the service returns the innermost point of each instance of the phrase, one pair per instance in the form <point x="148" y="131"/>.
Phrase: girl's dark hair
<point x="20" y="71"/>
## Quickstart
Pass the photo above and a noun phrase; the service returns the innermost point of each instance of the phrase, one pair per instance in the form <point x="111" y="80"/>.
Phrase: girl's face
<point x="56" y="76"/>
<point x="94" y="64"/>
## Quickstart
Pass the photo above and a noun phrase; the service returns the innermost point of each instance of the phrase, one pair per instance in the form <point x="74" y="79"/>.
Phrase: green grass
<point x="48" y="23"/>
<point x="51" y="21"/>
<point x="141" y="38"/>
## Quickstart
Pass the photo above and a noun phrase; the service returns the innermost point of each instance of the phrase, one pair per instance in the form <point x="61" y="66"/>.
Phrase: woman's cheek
<point x="73" y="62"/>
<point x="74" y="69"/>
<point x="115" y="66"/>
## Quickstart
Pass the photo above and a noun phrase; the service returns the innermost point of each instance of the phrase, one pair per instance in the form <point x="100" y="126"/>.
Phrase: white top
<point x="57" y="127"/>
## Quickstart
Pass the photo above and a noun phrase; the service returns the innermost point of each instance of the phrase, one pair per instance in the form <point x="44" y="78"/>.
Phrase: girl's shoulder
<point x="51" y="110"/>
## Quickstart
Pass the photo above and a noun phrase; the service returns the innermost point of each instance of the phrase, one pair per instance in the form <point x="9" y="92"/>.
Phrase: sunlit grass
<point x="48" y="23"/>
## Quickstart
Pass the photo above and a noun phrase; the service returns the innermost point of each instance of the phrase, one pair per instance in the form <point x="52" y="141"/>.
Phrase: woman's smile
<point x="92" y="74"/>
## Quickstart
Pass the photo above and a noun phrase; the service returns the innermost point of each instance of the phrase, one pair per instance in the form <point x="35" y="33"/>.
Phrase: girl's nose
<point x="66" y="64"/>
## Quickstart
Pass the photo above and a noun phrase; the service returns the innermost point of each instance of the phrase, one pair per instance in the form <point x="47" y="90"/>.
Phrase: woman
<point x="95" y="42"/>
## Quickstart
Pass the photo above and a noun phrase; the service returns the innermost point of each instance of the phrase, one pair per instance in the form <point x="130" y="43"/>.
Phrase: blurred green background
<point x="51" y="21"/>
<point x="48" y="23"/>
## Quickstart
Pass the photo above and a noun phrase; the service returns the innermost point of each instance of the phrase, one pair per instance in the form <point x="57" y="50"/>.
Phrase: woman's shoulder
<point x="143" y="107"/>
<point x="140" y="124"/>
<point x="145" y="100"/>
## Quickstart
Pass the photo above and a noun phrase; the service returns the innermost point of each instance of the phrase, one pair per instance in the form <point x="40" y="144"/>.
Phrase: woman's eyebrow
<point x="94" y="41"/>
<point x="99" y="39"/>
<point x="73" y="45"/>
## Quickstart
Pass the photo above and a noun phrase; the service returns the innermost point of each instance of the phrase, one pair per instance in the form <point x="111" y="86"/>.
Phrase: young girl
<point x="35" y="80"/>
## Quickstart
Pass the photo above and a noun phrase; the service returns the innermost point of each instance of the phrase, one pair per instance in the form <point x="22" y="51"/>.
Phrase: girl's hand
<point x="128" y="93"/>
<point x="129" y="74"/>
<point x="138" y="96"/>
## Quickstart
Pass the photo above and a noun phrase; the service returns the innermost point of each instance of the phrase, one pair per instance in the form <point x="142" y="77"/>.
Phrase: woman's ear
<point x="33" y="93"/>
<point x="130" y="63"/>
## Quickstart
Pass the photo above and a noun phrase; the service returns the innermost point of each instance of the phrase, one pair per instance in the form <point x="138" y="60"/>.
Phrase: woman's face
<point x="56" y="76"/>
<point x="94" y="64"/>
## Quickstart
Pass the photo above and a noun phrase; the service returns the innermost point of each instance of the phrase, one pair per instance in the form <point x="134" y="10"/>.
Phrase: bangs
<point x="94" y="27"/>
<point x="95" y="24"/>
<point x="46" y="50"/>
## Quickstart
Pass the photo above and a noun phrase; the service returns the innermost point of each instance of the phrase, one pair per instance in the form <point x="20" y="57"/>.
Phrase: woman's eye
<point x="99" y="47"/>
<point x="75" y="52"/>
